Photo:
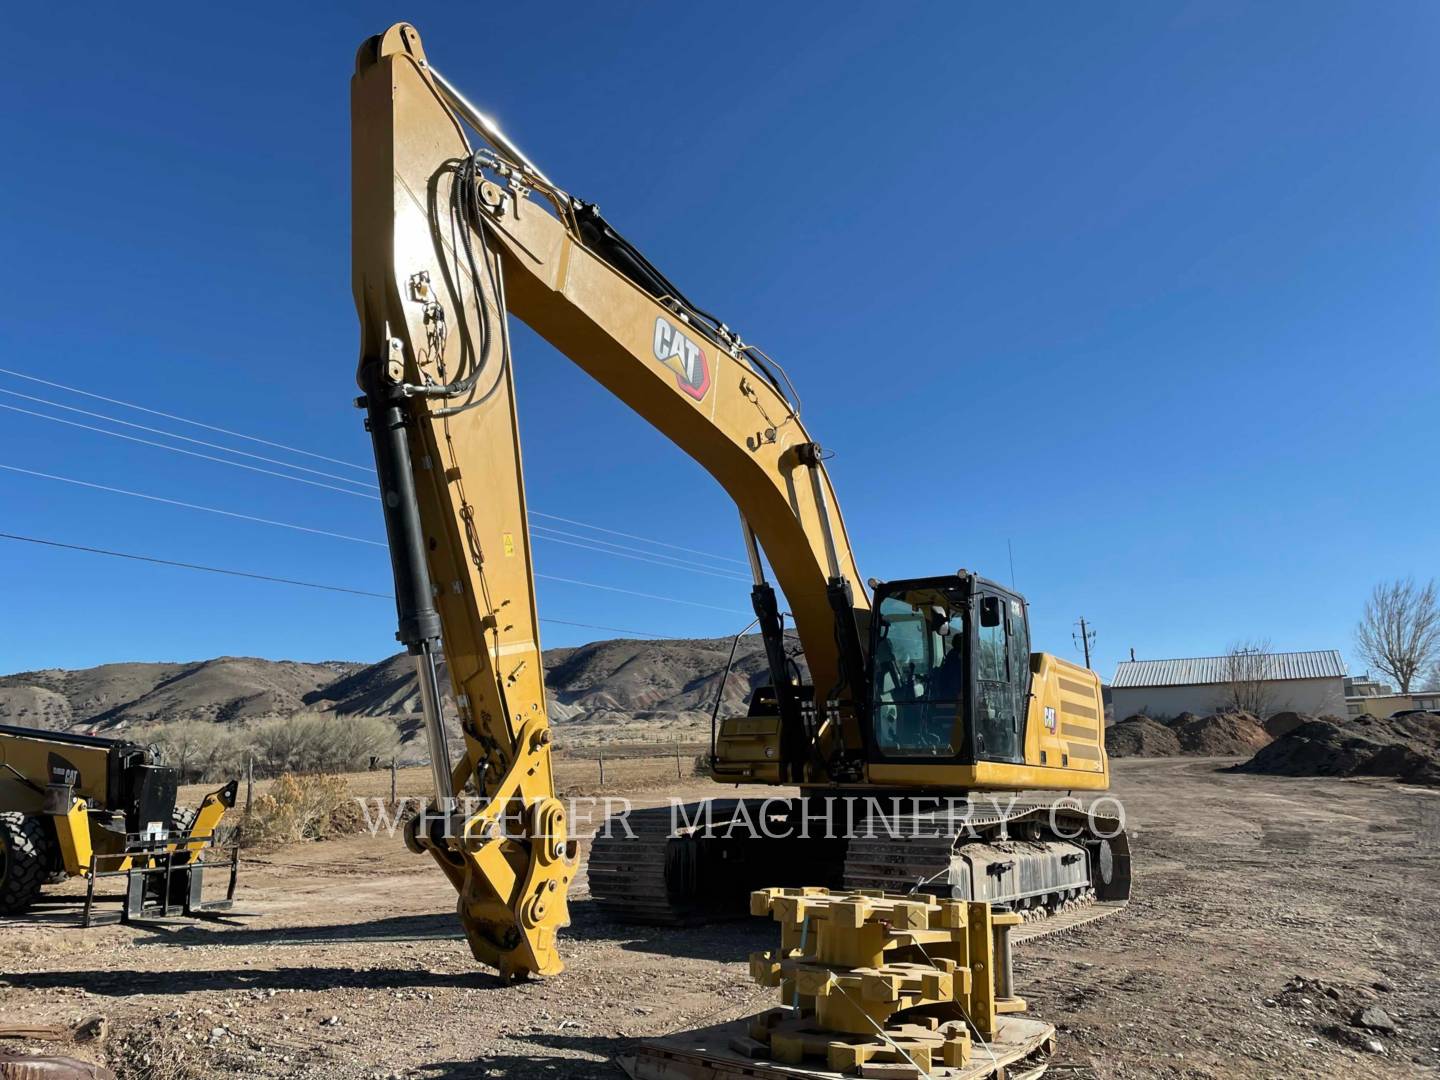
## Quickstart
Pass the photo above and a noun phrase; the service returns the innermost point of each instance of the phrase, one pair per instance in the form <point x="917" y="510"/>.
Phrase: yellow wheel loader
<point x="104" y="810"/>
<point x="897" y="759"/>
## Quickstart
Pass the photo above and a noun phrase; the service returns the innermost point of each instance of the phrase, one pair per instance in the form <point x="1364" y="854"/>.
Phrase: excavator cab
<point x="949" y="671"/>
<point x="948" y="682"/>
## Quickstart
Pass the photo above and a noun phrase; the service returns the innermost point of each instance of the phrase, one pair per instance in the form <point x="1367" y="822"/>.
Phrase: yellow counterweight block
<point x="868" y="977"/>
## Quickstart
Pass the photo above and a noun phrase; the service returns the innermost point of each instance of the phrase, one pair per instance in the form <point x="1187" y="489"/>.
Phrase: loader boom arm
<point x="448" y="240"/>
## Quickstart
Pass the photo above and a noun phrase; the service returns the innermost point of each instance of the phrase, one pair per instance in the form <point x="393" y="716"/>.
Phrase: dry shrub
<point x="156" y="1050"/>
<point x="303" y="743"/>
<point x="320" y="743"/>
<point x="301" y="808"/>
<point x="199" y="749"/>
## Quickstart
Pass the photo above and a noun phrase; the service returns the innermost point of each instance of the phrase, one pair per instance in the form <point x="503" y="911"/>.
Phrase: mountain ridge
<point x="621" y="684"/>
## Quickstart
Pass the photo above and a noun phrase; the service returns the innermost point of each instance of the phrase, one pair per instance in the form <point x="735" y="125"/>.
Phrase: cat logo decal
<point x="682" y="356"/>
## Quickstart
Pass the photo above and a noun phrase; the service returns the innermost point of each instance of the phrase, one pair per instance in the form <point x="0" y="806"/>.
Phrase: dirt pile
<point x="1404" y="747"/>
<point x="1282" y="723"/>
<point x="1139" y="736"/>
<point x="1221" y="735"/>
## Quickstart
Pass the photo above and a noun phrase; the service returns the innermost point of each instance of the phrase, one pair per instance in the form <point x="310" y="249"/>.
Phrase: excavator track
<point x="926" y="853"/>
<point x="677" y="866"/>
<point x="647" y="870"/>
<point x="627" y="871"/>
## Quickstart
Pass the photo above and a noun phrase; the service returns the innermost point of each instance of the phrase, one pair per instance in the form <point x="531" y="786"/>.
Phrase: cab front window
<point x="919" y="674"/>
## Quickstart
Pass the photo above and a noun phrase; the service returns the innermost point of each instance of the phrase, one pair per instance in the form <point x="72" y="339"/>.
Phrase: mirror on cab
<point x="990" y="614"/>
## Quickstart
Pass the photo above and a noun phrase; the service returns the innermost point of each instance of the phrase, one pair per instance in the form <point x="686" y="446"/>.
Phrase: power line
<point x="193" y="566"/>
<point x="184" y="420"/>
<point x="594" y="626"/>
<point x="190" y="506"/>
<point x="190" y="453"/>
<point x="325" y="532"/>
<point x="280" y="580"/>
<point x="631" y="536"/>
<point x="184" y="438"/>
<point x="643" y="556"/>
<point x="673" y="560"/>
<point x="642" y="595"/>
<point x="638" y="558"/>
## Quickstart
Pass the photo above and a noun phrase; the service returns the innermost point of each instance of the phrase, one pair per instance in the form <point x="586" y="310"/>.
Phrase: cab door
<point x="1001" y="677"/>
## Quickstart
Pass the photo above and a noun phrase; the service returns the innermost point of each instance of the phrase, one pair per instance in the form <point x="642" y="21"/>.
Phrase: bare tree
<point x="191" y="746"/>
<point x="1399" y="632"/>
<point x="1431" y="681"/>
<point x="1248" y="684"/>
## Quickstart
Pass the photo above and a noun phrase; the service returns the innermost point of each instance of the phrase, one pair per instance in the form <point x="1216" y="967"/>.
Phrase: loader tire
<point x="23" y="863"/>
<point x="182" y="820"/>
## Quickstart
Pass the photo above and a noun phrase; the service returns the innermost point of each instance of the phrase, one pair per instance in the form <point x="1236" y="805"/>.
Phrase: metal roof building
<point x="1305" y="682"/>
<point x="1210" y="670"/>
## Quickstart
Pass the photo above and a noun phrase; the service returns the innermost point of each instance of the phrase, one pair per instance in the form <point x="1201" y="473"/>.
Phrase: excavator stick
<point x="440" y="409"/>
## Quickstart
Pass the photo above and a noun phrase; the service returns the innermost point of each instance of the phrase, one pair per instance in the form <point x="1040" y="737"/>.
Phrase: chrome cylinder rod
<point x="752" y="550"/>
<point x="486" y="127"/>
<point x="434" y="726"/>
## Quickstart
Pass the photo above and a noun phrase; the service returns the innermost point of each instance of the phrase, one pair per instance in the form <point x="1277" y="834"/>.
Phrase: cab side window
<point x="1001" y="680"/>
<point x="994" y="662"/>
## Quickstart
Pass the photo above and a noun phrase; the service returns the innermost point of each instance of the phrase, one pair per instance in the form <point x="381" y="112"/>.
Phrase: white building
<point x="1303" y="682"/>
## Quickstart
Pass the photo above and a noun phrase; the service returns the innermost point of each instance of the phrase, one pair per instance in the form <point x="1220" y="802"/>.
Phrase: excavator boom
<point x="450" y="237"/>
<point x="447" y="240"/>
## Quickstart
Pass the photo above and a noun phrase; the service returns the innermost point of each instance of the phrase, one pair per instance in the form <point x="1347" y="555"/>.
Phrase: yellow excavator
<point x="923" y="710"/>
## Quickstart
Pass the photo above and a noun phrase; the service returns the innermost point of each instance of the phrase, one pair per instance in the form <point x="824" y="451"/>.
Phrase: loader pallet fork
<point x="170" y="884"/>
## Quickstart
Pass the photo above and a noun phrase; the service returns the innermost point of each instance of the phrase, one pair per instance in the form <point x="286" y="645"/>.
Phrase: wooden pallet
<point x="1020" y="1051"/>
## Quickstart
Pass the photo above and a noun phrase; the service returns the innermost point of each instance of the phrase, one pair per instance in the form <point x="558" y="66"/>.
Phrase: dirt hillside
<point x="620" y="688"/>
<point x="112" y="697"/>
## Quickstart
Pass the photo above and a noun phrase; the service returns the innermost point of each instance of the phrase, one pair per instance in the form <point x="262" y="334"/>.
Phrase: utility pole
<point x="1085" y="638"/>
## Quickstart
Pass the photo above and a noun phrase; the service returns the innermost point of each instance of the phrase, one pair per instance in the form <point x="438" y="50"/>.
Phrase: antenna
<point x="1011" y="549"/>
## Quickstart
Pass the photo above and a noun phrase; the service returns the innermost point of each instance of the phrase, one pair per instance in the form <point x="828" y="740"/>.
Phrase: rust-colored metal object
<point x="17" y="1066"/>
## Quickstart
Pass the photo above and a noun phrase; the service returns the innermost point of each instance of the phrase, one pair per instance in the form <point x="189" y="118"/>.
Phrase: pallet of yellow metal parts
<point x="1021" y="1050"/>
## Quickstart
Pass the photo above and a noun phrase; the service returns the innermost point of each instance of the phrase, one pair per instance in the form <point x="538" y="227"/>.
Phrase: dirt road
<point x="354" y="966"/>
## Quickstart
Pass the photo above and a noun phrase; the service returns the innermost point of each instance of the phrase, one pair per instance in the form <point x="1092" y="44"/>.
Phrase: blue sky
<point x="1146" y="290"/>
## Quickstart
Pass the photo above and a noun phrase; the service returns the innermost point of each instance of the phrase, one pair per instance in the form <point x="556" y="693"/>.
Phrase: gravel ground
<point x="1268" y="914"/>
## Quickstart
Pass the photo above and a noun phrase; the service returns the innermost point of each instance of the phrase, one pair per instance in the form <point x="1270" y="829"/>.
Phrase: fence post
<point x="393" y="778"/>
<point x="249" y="781"/>
<point x="677" y="763"/>
<point x="601" y="759"/>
